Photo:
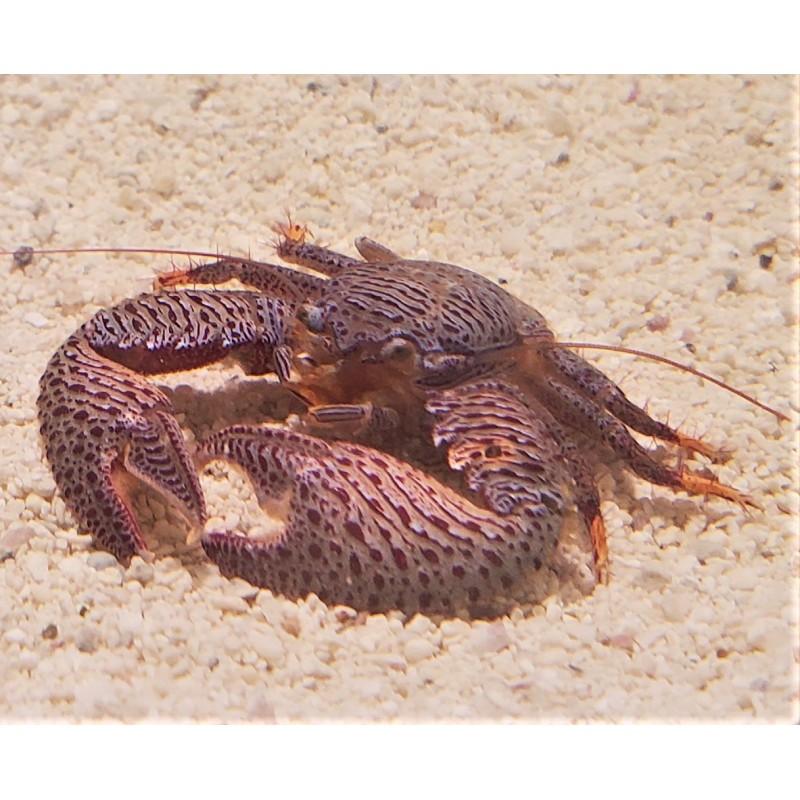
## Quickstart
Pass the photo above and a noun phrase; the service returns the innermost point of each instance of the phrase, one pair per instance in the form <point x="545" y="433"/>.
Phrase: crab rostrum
<point x="396" y="361"/>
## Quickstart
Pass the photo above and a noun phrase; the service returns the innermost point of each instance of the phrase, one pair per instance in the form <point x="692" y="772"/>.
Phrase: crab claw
<point x="102" y="423"/>
<point x="360" y="528"/>
<point x="367" y="530"/>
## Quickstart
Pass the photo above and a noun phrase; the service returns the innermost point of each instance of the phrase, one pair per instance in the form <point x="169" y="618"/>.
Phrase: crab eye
<point x="397" y="349"/>
<point x="312" y="318"/>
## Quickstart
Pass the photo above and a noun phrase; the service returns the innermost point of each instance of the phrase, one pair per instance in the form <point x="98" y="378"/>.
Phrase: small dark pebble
<point x="776" y="186"/>
<point x="659" y="322"/>
<point x="563" y="158"/>
<point x="313" y="86"/>
<point x="424" y="200"/>
<point x="199" y="97"/>
<point x="765" y="261"/>
<point x="502" y="281"/>
<point x="83" y="611"/>
<point x="691" y="348"/>
<point x="381" y="128"/>
<point x="23" y="256"/>
<point x="732" y="283"/>
<point x="50" y="631"/>
<point x="708" y="216"/>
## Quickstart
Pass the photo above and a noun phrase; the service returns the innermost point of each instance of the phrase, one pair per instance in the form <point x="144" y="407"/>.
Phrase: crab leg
<point x="271" y="279"/>
<point x="589" y="380"/>
<point x="102" y="421"/>
<point x="365" y="529"/>
<point x="374" y="252"/>
<point x="294" y="249"/>
<point x="578" y="412"/>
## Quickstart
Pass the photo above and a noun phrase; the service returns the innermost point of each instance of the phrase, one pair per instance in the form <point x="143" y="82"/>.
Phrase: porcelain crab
<point x="383" y="351"/>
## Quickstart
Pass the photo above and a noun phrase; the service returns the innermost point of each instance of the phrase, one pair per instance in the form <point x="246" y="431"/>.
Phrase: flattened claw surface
<point x="361" y="528"/>
<point x="101" y="422"/>
<point x="365" y="529"/>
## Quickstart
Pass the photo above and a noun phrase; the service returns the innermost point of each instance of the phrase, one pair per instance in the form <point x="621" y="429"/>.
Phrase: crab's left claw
<point x="102" y="423"/>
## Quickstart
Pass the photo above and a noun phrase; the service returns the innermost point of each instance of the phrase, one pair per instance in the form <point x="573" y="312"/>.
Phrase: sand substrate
<point x="658" y="213"/>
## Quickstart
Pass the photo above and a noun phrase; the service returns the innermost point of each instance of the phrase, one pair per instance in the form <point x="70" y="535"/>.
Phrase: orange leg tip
<point x="597" y="533"/>
<point x="292" y="231"/>
<point x="702" y="485"/>
<point x="177" y="277"/>
<point x="696" y="446"/>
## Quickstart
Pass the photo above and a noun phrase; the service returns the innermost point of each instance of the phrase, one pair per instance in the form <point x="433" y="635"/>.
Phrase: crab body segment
<point x="382" y="350"/>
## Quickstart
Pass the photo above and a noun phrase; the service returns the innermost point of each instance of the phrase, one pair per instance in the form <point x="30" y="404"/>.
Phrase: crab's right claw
<point x="362" y="528"/>
<point x="102" y="423"/>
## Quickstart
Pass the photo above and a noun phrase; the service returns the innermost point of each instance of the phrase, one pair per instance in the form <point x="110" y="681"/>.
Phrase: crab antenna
<point x="677" y="364"/>
<point x="147" y="250"/>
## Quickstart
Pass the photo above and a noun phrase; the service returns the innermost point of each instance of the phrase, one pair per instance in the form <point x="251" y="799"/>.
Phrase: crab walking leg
<point x="364" y="529"/>
<point x="102" y="421"/>
<point x="312" y="256"/>
<point x="590" y="381"/>
<point x="587" y="499"/>
<point x="573" y="409"/>
<point x="375" y="252"/>
<point x="294" y="249"/>
<point x="274" y="280"/>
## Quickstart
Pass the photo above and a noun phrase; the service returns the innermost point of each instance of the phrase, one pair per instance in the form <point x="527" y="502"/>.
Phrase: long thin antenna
<point x="112" y="250"/>
<point x="677" y="364"/>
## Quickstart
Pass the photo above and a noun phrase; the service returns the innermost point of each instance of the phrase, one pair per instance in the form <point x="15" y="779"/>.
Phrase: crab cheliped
<point x="382" y="352"/>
